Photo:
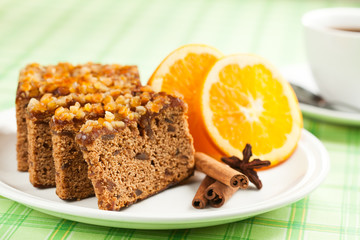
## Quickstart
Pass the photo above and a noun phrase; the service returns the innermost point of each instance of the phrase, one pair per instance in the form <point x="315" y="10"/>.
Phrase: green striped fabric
<point x="143" y="32"/>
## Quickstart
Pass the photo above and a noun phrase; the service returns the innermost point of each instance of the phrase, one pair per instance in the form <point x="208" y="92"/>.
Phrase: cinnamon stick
<point x="200" y="201"/>
<point x="218" y="193"/>
<point x="220" y="171"/>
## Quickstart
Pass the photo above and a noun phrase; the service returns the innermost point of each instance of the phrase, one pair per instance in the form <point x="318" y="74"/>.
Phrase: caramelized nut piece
<point x="141" y="110"/>
<point x="118" y="124"/>
<point x="108" y="125"/>
<point x="109" y="116"/>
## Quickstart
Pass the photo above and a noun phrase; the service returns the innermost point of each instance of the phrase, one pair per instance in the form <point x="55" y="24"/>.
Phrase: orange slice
<point x="182" y="73"/>
<point x="245" y="100"/>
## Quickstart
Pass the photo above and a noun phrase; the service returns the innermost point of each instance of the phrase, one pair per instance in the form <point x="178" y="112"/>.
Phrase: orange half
<point x="246" y="100"/>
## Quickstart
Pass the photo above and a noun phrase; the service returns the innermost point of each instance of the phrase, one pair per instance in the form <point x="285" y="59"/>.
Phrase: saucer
<point x="301" y="75"/>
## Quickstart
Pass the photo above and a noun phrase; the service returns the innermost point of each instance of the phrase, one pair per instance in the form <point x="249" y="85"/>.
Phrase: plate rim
<point x="202" y="219"/>
<point x="329" y="115"/>
<point x="314" y="112"/>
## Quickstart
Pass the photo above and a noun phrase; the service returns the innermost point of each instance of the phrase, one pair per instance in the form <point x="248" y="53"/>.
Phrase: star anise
<point x="247" y="167"/>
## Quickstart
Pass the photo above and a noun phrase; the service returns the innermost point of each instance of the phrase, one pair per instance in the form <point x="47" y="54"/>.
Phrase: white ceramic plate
<point x="300" y="74"/>
<point x="282" y="185"/>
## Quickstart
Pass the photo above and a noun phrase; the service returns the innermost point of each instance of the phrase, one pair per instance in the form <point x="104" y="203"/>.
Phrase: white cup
<point x="334" y="53"/>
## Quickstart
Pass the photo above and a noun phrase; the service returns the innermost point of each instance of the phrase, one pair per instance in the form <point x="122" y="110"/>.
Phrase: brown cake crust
<point x="140" y="159"/>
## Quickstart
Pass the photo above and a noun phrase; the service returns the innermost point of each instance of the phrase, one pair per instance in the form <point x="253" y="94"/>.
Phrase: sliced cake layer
<point x="137" y="151"/>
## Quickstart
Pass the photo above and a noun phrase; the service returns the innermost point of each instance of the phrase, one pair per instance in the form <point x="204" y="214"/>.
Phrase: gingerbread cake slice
<point x="138" y="149"/>
<point x="70" y="167"/>
<point x="40" y="161"/>
<point x="74" y="83"/>
<point x="72" y="182"/>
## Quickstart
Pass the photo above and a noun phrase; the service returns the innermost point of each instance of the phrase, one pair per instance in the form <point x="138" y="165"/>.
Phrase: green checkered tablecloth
<point x="143" y="32"/>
